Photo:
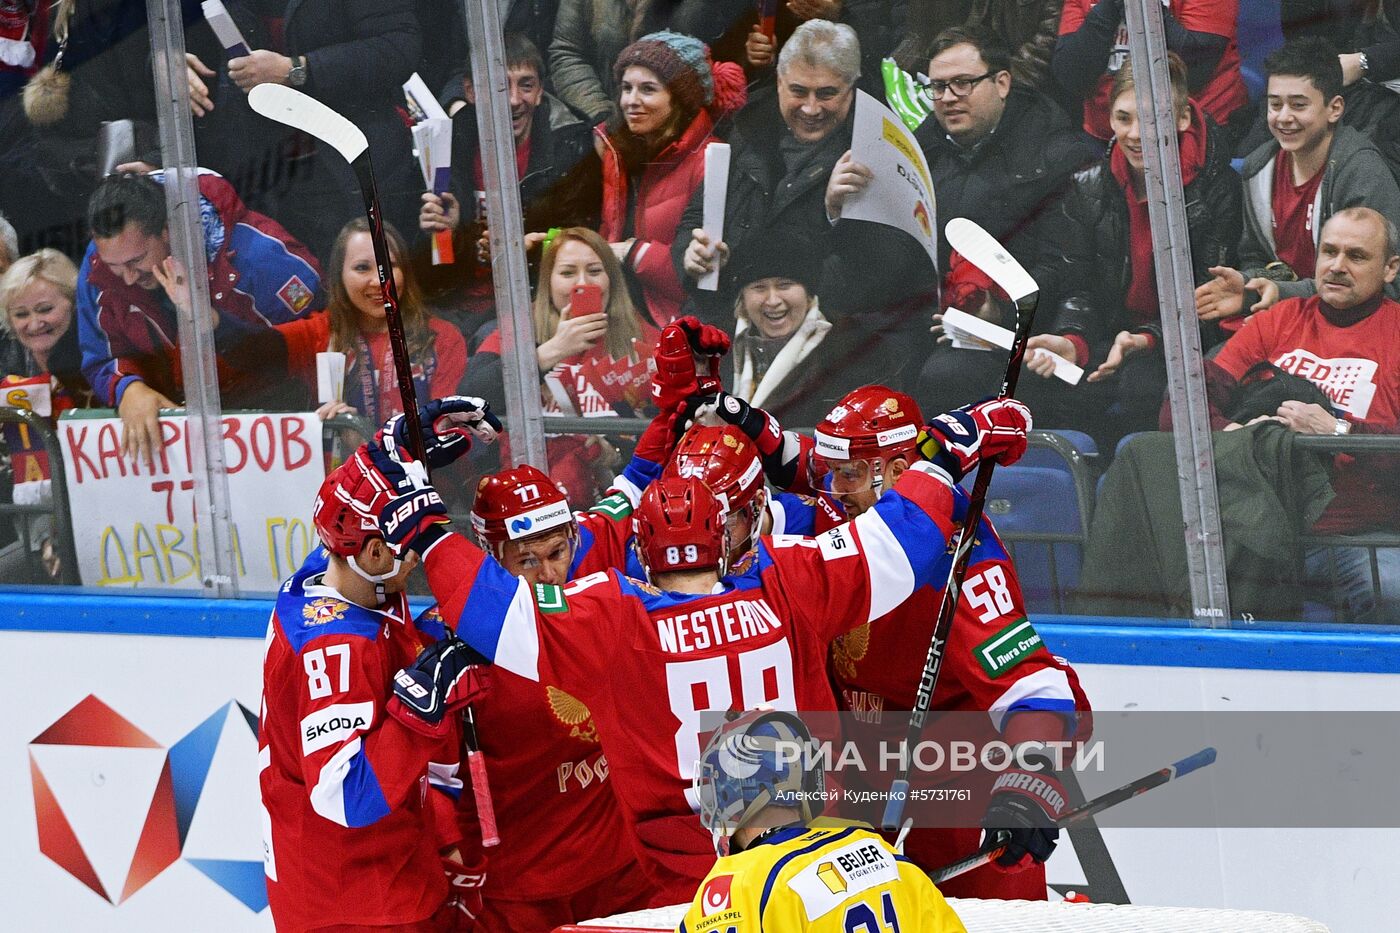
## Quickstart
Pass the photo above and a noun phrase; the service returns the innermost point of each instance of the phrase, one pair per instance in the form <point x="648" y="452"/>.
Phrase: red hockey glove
<point x="1023" y="810"/>
<point x="449" y="424"/>
<point x="959" y="439"/>
<point x="441" y="679"/>
<point x="410" y="518"/>
<point x="674" y="380"/>
<point x="464" y="887"/>
<point x="705" y="339"/>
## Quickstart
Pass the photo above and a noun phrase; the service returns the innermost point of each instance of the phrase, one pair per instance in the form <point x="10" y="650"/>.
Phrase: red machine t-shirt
<point x="1358" y="367"/>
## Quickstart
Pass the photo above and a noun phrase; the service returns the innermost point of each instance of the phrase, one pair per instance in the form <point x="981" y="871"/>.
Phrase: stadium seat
<point x="1041" y="516"/>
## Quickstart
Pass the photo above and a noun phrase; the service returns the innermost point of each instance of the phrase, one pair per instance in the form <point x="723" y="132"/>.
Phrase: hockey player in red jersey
<point x="861" y="448"/>
<point x="702" y="641"/>
<point x="352" y="839"/>
<point x="564" y="851"/>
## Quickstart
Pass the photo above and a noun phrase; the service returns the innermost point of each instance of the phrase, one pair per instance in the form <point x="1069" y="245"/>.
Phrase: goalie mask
<point x="760" y="759"/>
<point x="680" y="525"/>
<point x="727" y="461"/>
<point x="870" y="427"/>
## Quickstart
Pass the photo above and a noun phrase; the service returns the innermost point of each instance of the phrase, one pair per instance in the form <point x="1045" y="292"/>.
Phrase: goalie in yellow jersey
<point x="759" y="788"/>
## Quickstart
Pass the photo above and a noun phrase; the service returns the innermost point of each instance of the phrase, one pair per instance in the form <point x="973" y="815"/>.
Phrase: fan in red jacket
<point x="671" y="95"/>
<point x="704" y="642"/>
<point x="861" y="449"/>
<point x="351" y="836"/>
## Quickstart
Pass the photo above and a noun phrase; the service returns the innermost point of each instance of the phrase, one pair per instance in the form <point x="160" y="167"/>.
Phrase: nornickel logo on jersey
<point x="324" y="610"/>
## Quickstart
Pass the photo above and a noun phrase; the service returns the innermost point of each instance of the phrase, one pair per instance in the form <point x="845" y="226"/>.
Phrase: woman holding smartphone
<point x="594" y="353"/>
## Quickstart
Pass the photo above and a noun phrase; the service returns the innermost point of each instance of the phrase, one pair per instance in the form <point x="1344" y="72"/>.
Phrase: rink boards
<point x="131" y="757"/>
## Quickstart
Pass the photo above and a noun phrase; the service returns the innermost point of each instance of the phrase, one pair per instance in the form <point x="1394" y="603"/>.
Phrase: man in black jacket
<point x="1001" y="155"/>
<point x="782" y="152"/>
<point x="554" y="142"/>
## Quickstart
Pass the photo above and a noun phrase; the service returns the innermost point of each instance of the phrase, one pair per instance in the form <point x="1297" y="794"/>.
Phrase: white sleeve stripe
<point x="433" y="546"/>
<point x="891" y="576"/>
<point x="328" y="796"/>
<point x="444" y="775"/>
<point x="1047" y="683"/>
<point x="629" y="489"/>
<point x="518" y="646"/>
<point x="932" y="469"/>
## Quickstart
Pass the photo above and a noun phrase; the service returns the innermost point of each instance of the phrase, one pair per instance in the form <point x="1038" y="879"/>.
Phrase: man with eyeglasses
<point x="782" y="152"/>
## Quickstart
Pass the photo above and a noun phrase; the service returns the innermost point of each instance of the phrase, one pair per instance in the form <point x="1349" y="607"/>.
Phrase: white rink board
<point x="166" y="686"/>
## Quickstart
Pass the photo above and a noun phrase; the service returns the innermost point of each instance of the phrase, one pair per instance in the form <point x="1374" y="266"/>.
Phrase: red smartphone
<point x="587" y="299"/>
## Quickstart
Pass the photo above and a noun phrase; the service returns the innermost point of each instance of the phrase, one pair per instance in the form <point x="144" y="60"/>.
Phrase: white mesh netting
<point x="1051" y="917"/>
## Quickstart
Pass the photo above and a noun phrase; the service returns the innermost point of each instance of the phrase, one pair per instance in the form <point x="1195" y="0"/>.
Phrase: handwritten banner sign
<point x="134" y="526"/>
<point x="901" y="193"/>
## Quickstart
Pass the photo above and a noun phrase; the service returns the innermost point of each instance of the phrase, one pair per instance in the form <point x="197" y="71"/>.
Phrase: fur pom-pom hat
<point x="45" y="96"/>
<point x="684" y="65"/>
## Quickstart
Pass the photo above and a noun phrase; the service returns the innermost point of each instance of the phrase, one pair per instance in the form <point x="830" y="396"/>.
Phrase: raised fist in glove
<point x="1021" y="816"/>
<point x="449" y="424"/>
<point x="676" y="377"/>
<point x="409" y="519"/>
<point x="992" y="430"/>
<point x="760" y="426"/>
<point x="438" y="681"/>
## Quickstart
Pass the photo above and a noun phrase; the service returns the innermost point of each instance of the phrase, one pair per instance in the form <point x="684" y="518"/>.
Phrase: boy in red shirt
<point x="1313" y="168"/>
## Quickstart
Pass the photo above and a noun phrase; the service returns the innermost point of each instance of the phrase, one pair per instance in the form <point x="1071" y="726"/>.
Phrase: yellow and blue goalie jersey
<point x="840" y="880"/>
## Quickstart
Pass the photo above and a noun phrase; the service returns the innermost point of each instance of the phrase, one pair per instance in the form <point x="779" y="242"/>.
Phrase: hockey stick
<point x="981" y="249"/>
<point x="301" y="112"/>
<point x="1079" y="814"/>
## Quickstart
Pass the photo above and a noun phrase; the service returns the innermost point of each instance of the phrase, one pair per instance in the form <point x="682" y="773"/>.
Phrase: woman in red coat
<point x="670" y="95"/>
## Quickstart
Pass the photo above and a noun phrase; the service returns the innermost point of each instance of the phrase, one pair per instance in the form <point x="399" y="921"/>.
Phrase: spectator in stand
<point x="1311" y="169"/>
<point x="592" y="365"/>
<point x="1093" y="46"/>
<point x="1000" y="153"/>
<point x="9" y="244"/>
<point x="782" y="150"/>
<point x="553" y="149"/>
<point x="654" y="160"/>
<point x="876" y="24"/>
<point x="1369" y="35"/>
<point x="355" y="324"/>
<point x="353" y="56"/>
<point x="788" y="358"/>
<point x="40" y="370"/>
<point x="1109" y="316"/>
<point x="129" y="289"/>
<point x="1345" y="339"/>
<point x="1027" y="29"/>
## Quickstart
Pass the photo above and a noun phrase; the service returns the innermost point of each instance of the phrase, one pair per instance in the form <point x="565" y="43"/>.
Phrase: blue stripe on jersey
<point x="780" y="863"/>
<point x="430" y="623"/>
<point x="799" y="514"/>
<point x="918" y="535"/>
<point x="484" y="616"/>
<point x="340" y="618"/>
<point x="364" y="800"/>
<point x="988" y="546"/>
<point x="586" y="540"/>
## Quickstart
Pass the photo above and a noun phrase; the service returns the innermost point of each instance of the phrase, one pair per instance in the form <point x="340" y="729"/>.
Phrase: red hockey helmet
<point x="346" y="511"/>
<point x="518" y="503"/>
<point x="724" y="459"/>
<point x="869" y="427"/>
<point x="680" y="526"/>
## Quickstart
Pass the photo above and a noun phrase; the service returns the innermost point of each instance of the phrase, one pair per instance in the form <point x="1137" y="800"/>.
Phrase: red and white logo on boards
<point x="715" y="897"/>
